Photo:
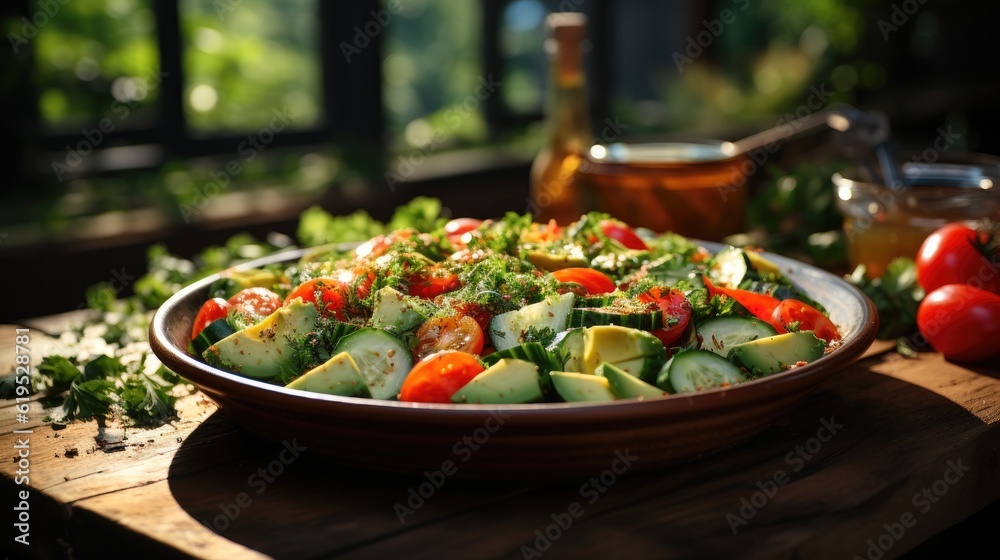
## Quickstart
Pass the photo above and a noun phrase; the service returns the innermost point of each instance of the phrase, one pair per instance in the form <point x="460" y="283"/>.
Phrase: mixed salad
<point x="513" y="311"/>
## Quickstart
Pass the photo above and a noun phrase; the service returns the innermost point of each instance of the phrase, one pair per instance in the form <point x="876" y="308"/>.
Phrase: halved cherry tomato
<point x="455" y="229"/>
<point x="332" y="296"/>
<point x="433" y="281"/>
<point x="594" y="281"/>
<point x="623" y="234"/>
<point x="542" y="232"/>
<point x="760" y="305"/>
<point x="457" y="332"/>
<point x="359" y="280"/>
<point x="676" y="312"/>
<point x="477" y="311"/>
<point x="212" y="310"/>
<point x="438" y="376"/>
<point x="255" y="302"/>
<point x="809" y="319"/>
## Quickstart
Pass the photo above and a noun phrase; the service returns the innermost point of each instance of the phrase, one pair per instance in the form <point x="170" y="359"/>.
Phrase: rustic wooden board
<point x="167" y="490"/>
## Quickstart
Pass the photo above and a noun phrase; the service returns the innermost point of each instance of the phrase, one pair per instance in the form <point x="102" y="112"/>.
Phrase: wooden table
<point x="888" y="453"/>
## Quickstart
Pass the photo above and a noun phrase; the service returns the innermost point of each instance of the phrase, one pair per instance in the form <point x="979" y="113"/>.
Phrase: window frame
<point x="354" y="114"/>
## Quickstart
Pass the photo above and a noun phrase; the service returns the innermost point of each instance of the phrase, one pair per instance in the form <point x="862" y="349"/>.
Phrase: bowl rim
<point x="217" y="382"/>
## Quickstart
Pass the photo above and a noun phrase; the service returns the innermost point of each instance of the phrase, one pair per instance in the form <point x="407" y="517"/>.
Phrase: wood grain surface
<point x="202" y="487"/>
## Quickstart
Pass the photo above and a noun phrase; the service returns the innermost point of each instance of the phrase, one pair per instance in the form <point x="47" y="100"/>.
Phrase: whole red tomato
<point x="958" y="254"/>
<point x="962" y="322"/>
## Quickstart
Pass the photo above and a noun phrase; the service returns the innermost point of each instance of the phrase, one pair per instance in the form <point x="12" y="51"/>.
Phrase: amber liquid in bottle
<point x="554" y="181"/>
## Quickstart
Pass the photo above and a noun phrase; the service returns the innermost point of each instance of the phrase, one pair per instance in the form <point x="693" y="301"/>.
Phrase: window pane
<point x="96" y="59"/>
<point x="245" y="60"/>
<point x="431" y="70"/>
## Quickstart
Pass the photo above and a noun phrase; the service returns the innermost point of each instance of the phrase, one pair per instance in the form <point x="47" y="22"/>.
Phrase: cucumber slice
<point x="627" y="386"/>
<point x="697" y="370"/>
<point x="720" y="334"/>
<point x="507" y="330"/>
<point x="591" y="317"/>
<point x="382" y="359"/>
<point x="601" y="300"/>
<point x="567" y="350"/>
<point x="212" y="333"/>
<point x="729" y="267"/>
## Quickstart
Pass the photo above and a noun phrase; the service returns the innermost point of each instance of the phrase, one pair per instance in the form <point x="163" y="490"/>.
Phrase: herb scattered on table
<point x="117" y="383"/>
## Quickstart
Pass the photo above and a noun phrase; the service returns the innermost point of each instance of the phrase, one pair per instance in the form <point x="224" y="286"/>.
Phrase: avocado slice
<point x="338" y="376"/>
<point x="627" y="386"/>
<point x="581" y="387"/>
<point x="508" y="381"/>
<point x="259" y="351"/>
<point x="772" y="354"/>
<point x="549" y="261"/>
<point x="638" y="352"/>
<point x="397" y="313"/>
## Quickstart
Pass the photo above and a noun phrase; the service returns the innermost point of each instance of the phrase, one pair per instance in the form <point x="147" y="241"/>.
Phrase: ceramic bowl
<point x="544" y="440"/>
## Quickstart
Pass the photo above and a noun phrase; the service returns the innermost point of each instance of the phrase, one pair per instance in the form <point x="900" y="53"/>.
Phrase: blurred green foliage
<point x="93" y="53"/>
<point x="243" y="60"/>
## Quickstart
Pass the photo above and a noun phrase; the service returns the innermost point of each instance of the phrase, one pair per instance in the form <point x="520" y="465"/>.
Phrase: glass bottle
<point x="554" y="188"/>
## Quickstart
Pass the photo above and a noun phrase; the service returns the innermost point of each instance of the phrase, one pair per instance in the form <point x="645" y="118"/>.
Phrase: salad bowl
<point x="540" y="440"/>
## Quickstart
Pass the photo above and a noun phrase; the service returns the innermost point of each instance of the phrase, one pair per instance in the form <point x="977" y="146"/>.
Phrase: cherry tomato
<point x="457" y="332"/>
<point x="255" y="302"/>
<point x="676" y="312"/>
<point x="332" y="296"/>
<point x="433" y="281"/>
<point x="455" y="229"/>
<point x="623" y="234"/>
<point x="438" y="376"/>
<point x="477" y="311"/>
<point x="212" y="310"/>
<point x="809" y="319"/>
<point x="540" y="233"/>
<point x="359" y="280"/>
<point x="958" y="254"/>
<point x="594" y="281"/>
<point x="962" y="322"/>
<point x="760" y="305"/>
